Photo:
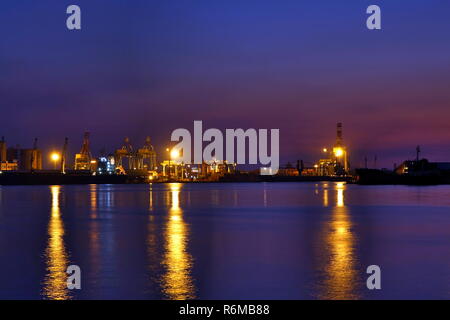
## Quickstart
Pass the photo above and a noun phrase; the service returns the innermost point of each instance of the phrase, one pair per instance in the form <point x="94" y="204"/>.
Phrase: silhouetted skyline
<point x="149" y="67"/>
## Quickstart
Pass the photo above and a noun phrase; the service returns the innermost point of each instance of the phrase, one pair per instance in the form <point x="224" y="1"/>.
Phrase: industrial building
<point x="30" y="159"/>
<point x="3" y="150"/>
<point x="335" y="162"/>
<point x="13" y="159"/>
<point x="137" y="163"/>
<point x="422" y="166"/>
<point x="6" y="165"/>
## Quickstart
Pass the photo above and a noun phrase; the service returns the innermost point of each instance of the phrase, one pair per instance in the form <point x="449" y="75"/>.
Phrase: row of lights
<point x="338" y="152"/>
<point x="174" y="154"/>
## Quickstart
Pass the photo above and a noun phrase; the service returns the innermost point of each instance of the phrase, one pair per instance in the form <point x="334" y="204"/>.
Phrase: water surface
<point x="225" y="241"/>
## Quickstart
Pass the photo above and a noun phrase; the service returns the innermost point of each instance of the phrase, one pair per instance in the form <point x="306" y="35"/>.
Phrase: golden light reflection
<point x="340" y="187"/>
<point x="93" y="197"/>
<point x="325" y="197"/>
<point x="55" y="282"/>
<point x="150" y="197"/>
<point x="94" y="232"/>
<point x="175" y="198"/>
<point x="338" y="258"/>
<point x="177" y="281"/>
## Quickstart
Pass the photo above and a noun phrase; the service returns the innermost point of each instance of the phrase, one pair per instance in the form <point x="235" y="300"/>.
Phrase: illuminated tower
<point x="83" y="159"/>
<point x="339" y="149"/>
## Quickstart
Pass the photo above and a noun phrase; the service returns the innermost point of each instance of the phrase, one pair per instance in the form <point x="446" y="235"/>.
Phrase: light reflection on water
<point x="338" y="257"/>
<point x="325" y="197"/>
<point x="216" y="241"/>
<point x="55" y="282"/>
<point x="94" y="231"/>
<point x="177" y="280"/>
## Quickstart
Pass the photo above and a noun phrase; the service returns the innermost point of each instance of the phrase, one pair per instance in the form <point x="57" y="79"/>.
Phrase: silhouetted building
<point x="3" y="150"/>
<point x="6" y="165"/>
<point x="24" y="159"/>
<point x="30" y="159"/>
<point x="13" y="154"/>
<point x="421" y="167"/>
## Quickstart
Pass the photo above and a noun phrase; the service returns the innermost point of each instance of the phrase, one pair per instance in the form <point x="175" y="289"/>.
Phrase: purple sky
<point x="148" y="67"/>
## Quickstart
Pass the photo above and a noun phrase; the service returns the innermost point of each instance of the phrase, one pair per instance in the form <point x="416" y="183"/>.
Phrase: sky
<point x="144" y="68"/>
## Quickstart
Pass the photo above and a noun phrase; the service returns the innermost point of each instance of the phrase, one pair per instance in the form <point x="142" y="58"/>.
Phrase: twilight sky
<point x="141" y="68"/>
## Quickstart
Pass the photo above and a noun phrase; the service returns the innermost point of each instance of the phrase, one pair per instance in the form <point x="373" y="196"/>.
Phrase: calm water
<point x="224" y="241"/>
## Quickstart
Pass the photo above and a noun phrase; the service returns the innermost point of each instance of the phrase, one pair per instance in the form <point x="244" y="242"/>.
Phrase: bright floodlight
<point x="55" y="156"/>
<point x="174" y="154"/>
<point x="338" y="152"/>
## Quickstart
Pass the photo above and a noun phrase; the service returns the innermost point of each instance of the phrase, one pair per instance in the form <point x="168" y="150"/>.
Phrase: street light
<point x="55" y="157"/>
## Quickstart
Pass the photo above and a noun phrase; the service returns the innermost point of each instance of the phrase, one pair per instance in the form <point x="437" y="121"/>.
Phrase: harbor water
<point x="225" y="241"/>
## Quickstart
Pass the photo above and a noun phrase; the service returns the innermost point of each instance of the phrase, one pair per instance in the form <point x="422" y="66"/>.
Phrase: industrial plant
<point x="128" y="163"/>
<point x="139" y="163"/>
<point x="335" y="161"/>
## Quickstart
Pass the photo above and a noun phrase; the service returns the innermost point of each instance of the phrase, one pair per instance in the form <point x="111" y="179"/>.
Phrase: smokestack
<point x="339" y="134"/>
